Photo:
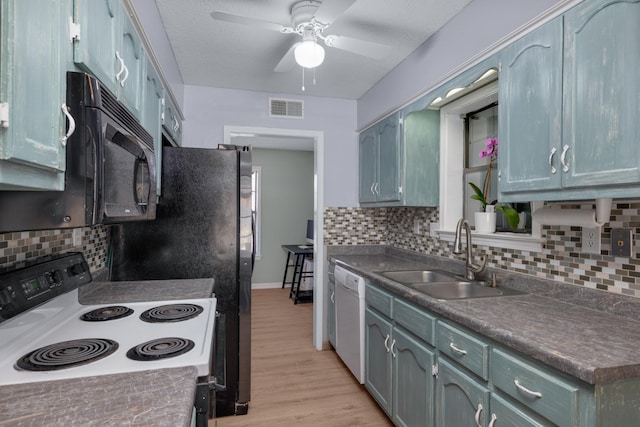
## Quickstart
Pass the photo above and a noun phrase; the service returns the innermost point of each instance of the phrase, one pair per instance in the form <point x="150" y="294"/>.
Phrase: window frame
<point x="452" y="152"/>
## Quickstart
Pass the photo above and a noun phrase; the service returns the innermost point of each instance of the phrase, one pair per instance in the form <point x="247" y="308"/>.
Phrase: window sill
<point x="518" y="241"/>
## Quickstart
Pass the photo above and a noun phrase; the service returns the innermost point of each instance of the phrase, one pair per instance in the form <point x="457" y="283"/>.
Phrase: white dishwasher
<point x="350" y="320"/>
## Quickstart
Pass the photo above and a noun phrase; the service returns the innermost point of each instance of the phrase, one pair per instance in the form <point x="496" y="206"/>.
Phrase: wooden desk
<point x="300" y="253"/>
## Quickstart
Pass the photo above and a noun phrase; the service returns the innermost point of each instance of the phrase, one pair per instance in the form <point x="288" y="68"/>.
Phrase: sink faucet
<point x="470" y="268"/>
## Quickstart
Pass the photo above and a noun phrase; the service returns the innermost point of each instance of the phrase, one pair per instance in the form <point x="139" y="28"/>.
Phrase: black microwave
<point x="110" y="168"/>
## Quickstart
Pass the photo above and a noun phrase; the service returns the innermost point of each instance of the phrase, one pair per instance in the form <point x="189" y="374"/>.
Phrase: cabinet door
<point x="460" y="400"/>
<point x="377" y="360"/>
<point x="368" y="165"/>
<point x="389" y="159"/>
<point x="95" y="50"/>
<point x="132" y="54"/>
<point x="331" y="314"/>
<point x="530" y="111"/>
<point x="413" y="385"/>
<point x="33" y="35"/>
<point x="602" y="93"/>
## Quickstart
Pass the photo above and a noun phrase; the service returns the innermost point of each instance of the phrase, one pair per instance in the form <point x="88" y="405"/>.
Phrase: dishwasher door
<point x="350" y="321"/>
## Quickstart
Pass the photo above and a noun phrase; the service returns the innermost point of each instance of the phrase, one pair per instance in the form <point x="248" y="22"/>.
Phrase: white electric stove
<point x="45" y="335"/>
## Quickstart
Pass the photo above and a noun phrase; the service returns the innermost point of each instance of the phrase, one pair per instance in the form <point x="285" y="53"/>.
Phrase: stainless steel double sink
<point x="446" y="286"/>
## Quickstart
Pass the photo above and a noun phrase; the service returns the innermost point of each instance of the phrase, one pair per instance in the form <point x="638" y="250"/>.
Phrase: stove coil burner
<point x="171" y="313"/>
<point x="107" y="313"/>
<point x="67" y="354"/>
<point x="160" y="348"/>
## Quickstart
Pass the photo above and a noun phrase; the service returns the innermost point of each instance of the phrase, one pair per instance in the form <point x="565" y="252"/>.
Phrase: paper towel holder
<point x="576" y="217"/>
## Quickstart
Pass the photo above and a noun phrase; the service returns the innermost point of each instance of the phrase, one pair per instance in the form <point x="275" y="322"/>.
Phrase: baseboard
<point x="272" y="285"/>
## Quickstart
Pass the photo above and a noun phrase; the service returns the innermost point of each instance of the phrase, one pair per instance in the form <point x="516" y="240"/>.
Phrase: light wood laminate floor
<point x="292" y="384"/>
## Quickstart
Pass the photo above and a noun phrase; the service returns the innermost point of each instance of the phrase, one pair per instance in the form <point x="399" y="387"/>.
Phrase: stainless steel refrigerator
<point x="203" y="228"/>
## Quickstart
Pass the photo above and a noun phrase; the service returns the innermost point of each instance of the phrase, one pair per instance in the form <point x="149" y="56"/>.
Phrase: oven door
<point x="128" y="182"/>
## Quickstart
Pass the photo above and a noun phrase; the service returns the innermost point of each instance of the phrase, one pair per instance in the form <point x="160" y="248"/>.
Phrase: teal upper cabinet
<point x="602" y="93"/>
<point x="380" y="161"/>
<point x="368" y="161"/>
<point x="171" y="121"/>
<point x="399" y="160"/>
<point x="530" y="111"/>
<point x="35" y="48"/>
<point x="108" y="46"/>
<point x="588" y="148"/>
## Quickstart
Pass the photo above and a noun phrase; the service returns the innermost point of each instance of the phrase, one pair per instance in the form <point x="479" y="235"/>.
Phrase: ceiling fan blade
<point x="329" y="10"/>
<point x="359" y="47"/>
<point x="236" y="19"/>
<point x="288" y="61"/>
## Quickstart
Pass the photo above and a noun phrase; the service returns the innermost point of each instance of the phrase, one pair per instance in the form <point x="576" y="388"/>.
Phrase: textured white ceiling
<point x="229" y="55"/>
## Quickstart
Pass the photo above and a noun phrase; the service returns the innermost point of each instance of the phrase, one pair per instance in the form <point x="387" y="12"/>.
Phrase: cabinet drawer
<point x="379" y="300"/>
<point x="549" y="396"/>
<point x="506" y="414"/>
<point x="465" y="349"/>
<point x="414" y="320"/>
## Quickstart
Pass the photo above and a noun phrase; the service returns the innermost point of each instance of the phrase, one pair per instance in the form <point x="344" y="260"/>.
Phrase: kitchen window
<point x="458" y="145"/>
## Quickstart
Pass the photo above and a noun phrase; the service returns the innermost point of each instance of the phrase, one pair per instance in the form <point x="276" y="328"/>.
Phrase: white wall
<point x="208" y="110"/>
<point x="478" y="26"/>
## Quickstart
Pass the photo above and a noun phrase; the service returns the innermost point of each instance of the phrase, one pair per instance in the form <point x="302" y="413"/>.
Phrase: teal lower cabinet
<point x="377" y="359"/>
<point x="460" y="399"/>
<point x="398" y="372"/>
<point x="413" y="382"/>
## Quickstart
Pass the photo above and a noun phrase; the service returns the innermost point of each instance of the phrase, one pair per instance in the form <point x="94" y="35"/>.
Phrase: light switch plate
<point x="621" y="242"/>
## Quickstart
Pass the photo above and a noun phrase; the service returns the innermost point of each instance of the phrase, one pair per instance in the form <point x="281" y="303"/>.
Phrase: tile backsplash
<point x="561" y="259"/>
<point x="21" y="248"/>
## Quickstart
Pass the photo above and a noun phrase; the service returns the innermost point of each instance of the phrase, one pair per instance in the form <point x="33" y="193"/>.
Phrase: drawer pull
<point x="455" y="349"/>
<point x="526" y="390"/>
<point x="478" y="412"/>
<point x="493" y="420"/>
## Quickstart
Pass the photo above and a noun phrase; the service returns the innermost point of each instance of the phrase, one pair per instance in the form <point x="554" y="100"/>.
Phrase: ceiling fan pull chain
<point x="314" y="76"/>
<point x="302" y="78"/>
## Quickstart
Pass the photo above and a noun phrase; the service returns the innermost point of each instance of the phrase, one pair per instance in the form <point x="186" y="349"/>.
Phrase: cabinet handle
<point x="176" y="126"/>
<point x="372" y="192"/>
<point x="565" y="165"/>
<point x="122" y="67"/>
<point x="72" y="125"/>
<point x="455" y="349"/>
<point x="553" y="152"/>
<point x="333" y="299"/>
<point x="377" y="187"/>
<point x="386" y="340"/>
<point x="393" y="343"/>
<point x="126" y="75"/>
<point x="478" y="412"/>
<point x="493" y="420"/>
<point x="526" y="390"/>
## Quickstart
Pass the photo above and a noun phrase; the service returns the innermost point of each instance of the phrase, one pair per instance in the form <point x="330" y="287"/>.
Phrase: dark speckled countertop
<point x="162" y="397"/>
<point x="588" y="334"/>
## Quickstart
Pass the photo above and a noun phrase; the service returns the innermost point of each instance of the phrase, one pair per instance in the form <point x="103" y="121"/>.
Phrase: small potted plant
<point x="485" y="220"/>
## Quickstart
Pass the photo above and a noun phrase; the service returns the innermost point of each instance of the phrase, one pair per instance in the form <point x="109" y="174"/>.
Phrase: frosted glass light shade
<point x="309" y="54"/>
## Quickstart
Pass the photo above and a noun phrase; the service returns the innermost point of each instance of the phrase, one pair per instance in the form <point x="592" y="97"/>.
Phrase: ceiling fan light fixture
<point x="309" y="54"/>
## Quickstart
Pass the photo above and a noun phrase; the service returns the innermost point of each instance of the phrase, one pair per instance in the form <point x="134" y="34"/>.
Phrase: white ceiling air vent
<point x="286" y="108"/>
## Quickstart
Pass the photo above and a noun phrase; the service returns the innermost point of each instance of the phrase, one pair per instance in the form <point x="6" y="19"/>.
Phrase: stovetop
<point x="58" y="321"/>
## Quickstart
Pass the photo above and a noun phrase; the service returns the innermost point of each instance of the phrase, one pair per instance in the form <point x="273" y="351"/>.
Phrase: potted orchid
<point x="487" y="223"/>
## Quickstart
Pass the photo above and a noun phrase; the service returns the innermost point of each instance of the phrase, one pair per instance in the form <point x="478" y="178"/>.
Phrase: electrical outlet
<point x="621" y="242"/>
<point x="77" y="237"/>
<point x="591" y="241"/>
<point x="416" y="226"/>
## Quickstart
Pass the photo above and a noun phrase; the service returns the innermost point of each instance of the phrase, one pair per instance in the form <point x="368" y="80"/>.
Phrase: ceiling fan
<point x="310" y="19"/>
